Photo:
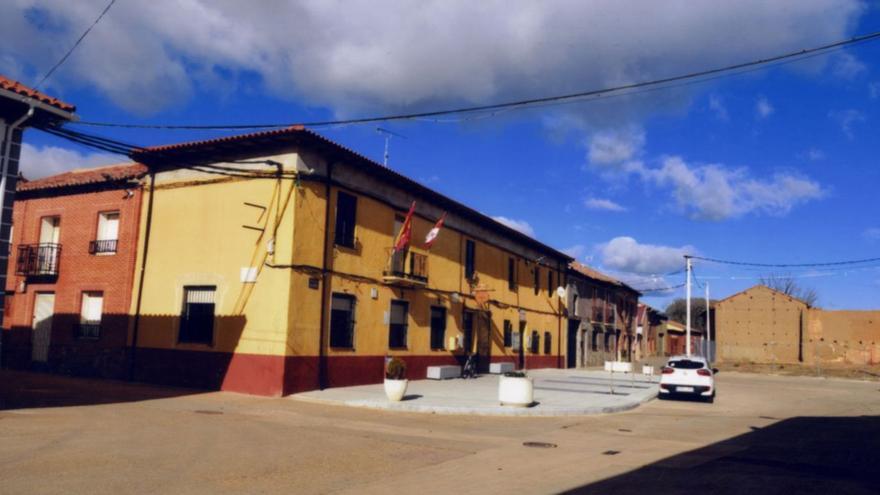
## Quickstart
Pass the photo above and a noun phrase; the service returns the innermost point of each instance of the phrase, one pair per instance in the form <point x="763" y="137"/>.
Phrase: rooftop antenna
<point x="388" y="135"/>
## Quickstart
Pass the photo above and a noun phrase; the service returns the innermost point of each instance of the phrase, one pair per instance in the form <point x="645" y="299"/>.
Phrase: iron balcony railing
<point x="38" y="260"/>
<point x="104" y="246"/>
<point x="88" y="330"/>
<point x="406" y="267"/>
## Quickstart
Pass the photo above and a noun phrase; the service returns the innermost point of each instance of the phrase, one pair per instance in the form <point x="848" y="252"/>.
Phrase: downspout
<point x="8" y="134"/>
<point x="322" y="358"/>
<point x="137" y="312"/>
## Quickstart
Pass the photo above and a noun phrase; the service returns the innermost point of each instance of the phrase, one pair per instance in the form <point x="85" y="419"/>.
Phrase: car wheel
<point x="710" y="399"/>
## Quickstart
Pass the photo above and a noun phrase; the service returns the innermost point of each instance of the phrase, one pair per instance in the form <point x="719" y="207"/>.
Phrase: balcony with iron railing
<point x="88" y="330"/>
<point x="406" y="268"/>
<point x="38" y="260"/>
<point x="103" y="246"/>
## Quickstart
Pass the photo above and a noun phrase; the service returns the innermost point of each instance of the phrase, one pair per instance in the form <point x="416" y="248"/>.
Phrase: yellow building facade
<point x="266" y="266"/>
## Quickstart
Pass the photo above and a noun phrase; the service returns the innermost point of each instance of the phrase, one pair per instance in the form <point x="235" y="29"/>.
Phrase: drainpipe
<point x="137" y="312"/>
<point x="322" y="358"/>
<point x="8" y="134"/>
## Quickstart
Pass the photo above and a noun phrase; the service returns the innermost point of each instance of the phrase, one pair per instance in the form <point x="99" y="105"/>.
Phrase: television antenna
<point x="388" y="134"/>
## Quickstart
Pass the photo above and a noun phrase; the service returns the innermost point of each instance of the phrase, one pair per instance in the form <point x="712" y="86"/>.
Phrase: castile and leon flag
<point x="433" y="233"/>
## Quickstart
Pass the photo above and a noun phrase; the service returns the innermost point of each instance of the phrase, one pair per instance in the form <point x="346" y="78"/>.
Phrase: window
<point x="438" y="327"/>
<point x="50" y="230"/>
<point x="548" y="345"/>
<point x="90" y="315"/>
<point x="537" y="280"/>
<point x="508" y="333"/>
<point x="346" y="215"/>
<point x="470" y="253"/>
<point x="550" y="283"/>
<point x="511" y="273"/>
<point x="197" y="319"/>
<point x="594" y="342"/>
<point x="535" y="344"/>
<point x="108" y="233"/>
<point x="342" y="321"/>
<point x="397" y="324"/>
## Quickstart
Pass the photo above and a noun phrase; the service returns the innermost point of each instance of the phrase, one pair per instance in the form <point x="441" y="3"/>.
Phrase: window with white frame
<point x="90" y="315"/>
<point x="108" y="233"/>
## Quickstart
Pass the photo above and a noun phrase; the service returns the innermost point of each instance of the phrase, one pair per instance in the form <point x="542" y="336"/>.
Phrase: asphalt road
<point x="764" y="434"/>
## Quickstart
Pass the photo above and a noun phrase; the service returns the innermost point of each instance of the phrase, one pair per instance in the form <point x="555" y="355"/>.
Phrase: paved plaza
<point x="557" y="393"/>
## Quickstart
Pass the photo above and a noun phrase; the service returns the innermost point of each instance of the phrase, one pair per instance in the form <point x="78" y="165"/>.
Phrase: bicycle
<point x="470" y="367"/>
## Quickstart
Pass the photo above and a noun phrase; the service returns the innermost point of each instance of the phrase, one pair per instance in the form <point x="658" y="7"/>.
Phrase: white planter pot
<point x="395" y="389"/>
<point x="647" y="370"/>
<point x="516" y="391"/>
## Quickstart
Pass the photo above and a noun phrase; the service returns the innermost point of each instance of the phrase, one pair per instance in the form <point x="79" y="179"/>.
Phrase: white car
<point x="688" y="376"/>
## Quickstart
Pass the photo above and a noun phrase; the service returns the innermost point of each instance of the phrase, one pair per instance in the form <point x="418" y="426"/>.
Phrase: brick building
<point x="72" y="264"/>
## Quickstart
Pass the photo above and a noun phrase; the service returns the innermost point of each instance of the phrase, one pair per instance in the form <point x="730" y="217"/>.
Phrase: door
<point x="484" y="344"/>
<point x="571" y="343"/>
<point x="467" y="323"/>
<point x="44" y="307"/>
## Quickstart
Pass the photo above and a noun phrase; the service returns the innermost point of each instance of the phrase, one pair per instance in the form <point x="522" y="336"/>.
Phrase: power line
<point x="78" y="41"/>
<point x="517" y="103"/>
<point x="660" y="289"/>
<point x="786" y="265"/>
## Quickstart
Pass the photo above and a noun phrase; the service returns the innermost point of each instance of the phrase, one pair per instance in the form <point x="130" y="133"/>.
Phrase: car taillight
<point x="704" y="372"/>
<point x="667" y="370"/>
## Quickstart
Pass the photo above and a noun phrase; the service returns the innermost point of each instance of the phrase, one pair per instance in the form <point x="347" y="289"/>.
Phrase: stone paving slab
<point x="557" y="393"/>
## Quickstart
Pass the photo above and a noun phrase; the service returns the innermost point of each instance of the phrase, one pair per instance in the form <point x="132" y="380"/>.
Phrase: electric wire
<point x="564" y="98"/>
<point x="786" y="265"/>
<point x="75" y="45"/>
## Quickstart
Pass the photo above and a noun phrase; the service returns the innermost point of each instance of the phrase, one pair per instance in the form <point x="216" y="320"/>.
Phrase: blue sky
<point x="775" y="166"/>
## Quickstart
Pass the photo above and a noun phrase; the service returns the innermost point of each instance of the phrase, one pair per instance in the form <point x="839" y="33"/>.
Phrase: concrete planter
<point x="647" y="370"/>
<point x="516" y="391"/>
<point x="395" y="389"/>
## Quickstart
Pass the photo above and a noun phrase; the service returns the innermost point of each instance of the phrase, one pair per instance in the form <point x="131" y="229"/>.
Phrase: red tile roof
<point x="21" y="89"/>
<point x="85" y="176"/>
<point x="596" y="274"/>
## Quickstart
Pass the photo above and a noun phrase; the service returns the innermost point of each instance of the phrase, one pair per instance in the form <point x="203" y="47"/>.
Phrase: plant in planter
<point x="395" y="379"/>
<point x="516" y="389"/>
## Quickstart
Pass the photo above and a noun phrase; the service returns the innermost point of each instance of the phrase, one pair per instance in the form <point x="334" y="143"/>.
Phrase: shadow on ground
<point x="22" y="389"/>
<point x="802" y="455"/>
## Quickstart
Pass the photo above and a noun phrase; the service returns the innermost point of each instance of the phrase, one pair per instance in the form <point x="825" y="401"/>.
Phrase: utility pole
<point x="687" y="342"/>
<point x="708" y="327"/>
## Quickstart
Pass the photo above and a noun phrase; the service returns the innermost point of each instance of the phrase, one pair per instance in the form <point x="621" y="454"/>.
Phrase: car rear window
<point x="685" y="364"/>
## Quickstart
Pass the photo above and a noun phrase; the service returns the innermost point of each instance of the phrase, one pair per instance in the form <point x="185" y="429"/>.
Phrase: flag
<point x="405" y="233"/>
<point x="433" y="233"/>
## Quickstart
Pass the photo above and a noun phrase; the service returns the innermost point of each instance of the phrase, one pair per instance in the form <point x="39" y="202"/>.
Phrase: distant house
<point x="601" y="318"/>
<point x="763" y="325"/>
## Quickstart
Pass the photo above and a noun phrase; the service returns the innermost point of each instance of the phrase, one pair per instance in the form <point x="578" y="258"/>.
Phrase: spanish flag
<point x="405" y="233"/>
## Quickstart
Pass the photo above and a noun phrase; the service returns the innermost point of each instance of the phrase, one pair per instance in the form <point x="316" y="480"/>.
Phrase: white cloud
<point x="575" y="251"/>
<point x="847" y="66"/>
<point x="712" y="191"/>
<point x="763" y="108"/>
<point x="874" y="90"/>
<point x="872" y="233"/>
<point x="846" y="119"/>
<point x="716" y="104"/>
<point x="37" y="162"/>
<point x="716" y="192"/>
<point x="603" y="204"/>
<point x="814" y="154"/>
<point x="372" y="55"/>
<point x="518" y="225"/>
<point x="615" y="146"/>
<point x="625" y="254"/>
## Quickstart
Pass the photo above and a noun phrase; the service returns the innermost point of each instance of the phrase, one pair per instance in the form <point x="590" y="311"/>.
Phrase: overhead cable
<point x="800" y="54"/>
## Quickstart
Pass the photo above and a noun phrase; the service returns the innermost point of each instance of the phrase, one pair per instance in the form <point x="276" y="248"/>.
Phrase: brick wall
<point x="79" y="271"/>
